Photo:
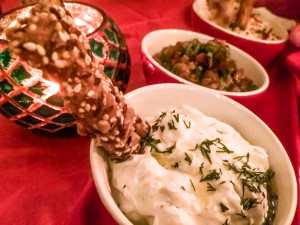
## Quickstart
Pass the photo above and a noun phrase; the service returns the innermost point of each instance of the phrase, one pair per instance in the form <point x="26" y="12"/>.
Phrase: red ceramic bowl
<point x="264" y="51"/>
<point x="154" y="42"/>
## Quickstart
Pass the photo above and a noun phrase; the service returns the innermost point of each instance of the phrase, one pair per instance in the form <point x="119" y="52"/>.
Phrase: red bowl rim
<point x="236" y="35"/>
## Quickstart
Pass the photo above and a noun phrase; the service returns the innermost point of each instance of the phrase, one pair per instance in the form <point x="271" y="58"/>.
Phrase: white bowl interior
<point x="201" y="9"/>
<point x="100" y="174"/>
<point x="150" y="100"/>
<point x="155" y="41"/>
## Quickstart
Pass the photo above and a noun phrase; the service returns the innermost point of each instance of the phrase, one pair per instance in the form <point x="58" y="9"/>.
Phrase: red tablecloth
<point x="46" y="179"/>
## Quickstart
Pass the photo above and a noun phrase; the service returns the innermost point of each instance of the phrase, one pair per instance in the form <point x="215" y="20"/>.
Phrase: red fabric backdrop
<point x="46" y="178"/>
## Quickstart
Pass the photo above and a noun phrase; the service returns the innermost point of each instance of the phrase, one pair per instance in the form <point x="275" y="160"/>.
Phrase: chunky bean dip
<point x="207" y="64"/>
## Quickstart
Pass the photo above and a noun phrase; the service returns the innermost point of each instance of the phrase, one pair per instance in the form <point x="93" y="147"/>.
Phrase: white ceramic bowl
<point x="263" y="50"/>
<point x="155" y="41"/>
<point x="150" y="100"/>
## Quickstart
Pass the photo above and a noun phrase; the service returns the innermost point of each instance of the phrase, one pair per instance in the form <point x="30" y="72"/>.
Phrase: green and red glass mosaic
<point x="27" y="98"/>
<point x="106" y="41"/>
<point x="32" y="101"/>
<point x="109" y="47"/>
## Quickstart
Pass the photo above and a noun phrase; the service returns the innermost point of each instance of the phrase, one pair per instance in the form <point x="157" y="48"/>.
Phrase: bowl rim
<point x="106" y="197"/>
<point x="120" y="217"/>
<point x="145" y="47"/>
<point x="268" y="42"/>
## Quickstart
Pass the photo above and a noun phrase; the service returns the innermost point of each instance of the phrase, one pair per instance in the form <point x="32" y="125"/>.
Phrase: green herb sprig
<point x="201" y="168"/>
<point x="187" y="125"/>
<point x="188" y="158"/>
<point x="175" y="165"/>
<point x="204" y="147"/>
<point x="250" y="178"/>
<point x="155" y="126"/>
<point x="226" y="222"/>
<point x="193" y="185"/>
<point x="233" y="26"/>
<point x="224" y="208"/>
<point x="210" y="187"/>
<point x="242" y="214"/>
<point x="249" y="203"/>
<point x="172" y="126"/>
<point x="149" y="141"/>
<point x="214" y="175"/>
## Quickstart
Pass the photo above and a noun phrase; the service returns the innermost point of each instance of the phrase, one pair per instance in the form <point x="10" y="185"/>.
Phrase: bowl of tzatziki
<point x="206" y="160"/>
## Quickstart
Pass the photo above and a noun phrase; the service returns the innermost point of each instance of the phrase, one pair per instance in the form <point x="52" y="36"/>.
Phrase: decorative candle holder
<point x="31" y="100"/>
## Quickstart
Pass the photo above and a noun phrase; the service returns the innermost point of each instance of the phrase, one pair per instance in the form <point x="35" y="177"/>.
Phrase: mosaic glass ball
<point x="31" y="100"/>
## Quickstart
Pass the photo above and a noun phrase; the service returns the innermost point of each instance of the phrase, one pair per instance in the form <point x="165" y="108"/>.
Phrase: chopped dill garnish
<point x="169" y="149"/>
<point x="251" y="179"/>
<point x="214" y="175"/>
<point x="239" y="158"/>
<point x="251" y="186"/>
<point x="124" y="186"/>
<point x="155" y="126"/>
<point x="270" y="215"/>
<point x="223" y="207"/>
<point x="222" y="182"/>
<point x="249" y="203"/>
<point x="200" y="168"/>
<point x="223" y="149"/>
<point x="210" y="187"/>
<point x="236" y="25"/>
<point x="188" y="158"/>
<point x="193" y="185"/>
<point x="226" y="222"/>
<point x="182" y="188"/>
<point x="230" y="166"/>
<point x="265" y="34"/>
<point x="205" y="147"/>
<point x="187" y="126"/>
<point x="176" y="116"/>
<point x="149" y="141"/>
<point x="175" y="165"/>
<point x="172" y="126"/>
<point x="242" y="214"/>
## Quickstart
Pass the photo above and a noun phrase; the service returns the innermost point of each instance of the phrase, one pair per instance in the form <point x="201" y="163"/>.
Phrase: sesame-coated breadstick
<point x="48" y="39"/>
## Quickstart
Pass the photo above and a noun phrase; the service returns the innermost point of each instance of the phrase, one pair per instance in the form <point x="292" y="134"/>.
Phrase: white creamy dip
<point x="259" y="25"/>
<point x="191" y="173"/>
<point x="256" y="28"/>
